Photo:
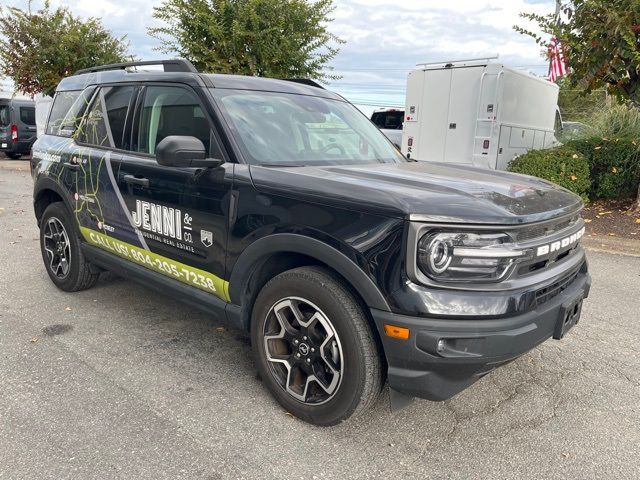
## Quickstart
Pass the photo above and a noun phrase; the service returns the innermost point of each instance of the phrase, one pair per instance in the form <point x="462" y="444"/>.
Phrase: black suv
<point x="276" y="205"/>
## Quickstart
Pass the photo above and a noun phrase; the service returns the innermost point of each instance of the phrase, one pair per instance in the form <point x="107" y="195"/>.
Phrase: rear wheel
<point x="60" y="246"/>
<point x="314" y="346"/>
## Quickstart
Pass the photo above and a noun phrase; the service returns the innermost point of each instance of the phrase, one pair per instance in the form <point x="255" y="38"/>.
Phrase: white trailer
<point x="477" y="113"/>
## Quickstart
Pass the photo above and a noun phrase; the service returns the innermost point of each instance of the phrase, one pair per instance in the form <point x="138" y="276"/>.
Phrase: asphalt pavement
<point x="121" y="382"/>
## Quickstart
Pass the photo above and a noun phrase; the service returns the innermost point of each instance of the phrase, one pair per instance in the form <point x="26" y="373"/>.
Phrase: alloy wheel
<point x="58" y="247"/>
<point x="303" y="350"/>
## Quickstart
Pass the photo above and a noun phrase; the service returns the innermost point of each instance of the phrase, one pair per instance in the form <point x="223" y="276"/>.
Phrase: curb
<point x="614" y="245"/>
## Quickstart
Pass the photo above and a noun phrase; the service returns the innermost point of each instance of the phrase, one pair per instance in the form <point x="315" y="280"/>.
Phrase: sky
<point x="385" y="39"/>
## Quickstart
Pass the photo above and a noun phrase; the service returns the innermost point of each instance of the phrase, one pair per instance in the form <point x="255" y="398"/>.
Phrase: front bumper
<point x="420" y="367"/>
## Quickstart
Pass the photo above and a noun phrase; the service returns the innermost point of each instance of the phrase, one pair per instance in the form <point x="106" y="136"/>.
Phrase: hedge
<point x="614" y="165"/>
<point x="564" y="166"/>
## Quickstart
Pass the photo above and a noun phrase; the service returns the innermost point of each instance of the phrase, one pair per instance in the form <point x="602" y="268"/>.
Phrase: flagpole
<point x="557" y="23"/>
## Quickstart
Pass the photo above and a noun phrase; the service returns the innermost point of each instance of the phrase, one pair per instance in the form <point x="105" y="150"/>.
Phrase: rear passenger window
<point x="170" y="111"/>
<point x="104" y="123"/>
<point x="28" y="115"/>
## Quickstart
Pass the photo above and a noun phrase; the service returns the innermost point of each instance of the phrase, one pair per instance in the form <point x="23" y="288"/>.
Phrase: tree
<point x="38" y="49"/>
<point x="270" y="38"/>
<point x="602" y="44"/>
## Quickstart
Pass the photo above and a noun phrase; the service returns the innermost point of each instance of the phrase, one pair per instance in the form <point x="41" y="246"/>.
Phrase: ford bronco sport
<point x="276" y="206"/>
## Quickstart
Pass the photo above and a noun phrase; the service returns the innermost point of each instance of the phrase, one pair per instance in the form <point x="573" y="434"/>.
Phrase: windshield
<point x="292" y="130"/>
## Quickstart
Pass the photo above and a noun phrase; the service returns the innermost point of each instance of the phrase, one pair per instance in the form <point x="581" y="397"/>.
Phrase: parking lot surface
<point x="121" y="382"/>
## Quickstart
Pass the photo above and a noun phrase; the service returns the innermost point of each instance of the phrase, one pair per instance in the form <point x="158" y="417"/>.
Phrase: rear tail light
<point x="14" y="133"/>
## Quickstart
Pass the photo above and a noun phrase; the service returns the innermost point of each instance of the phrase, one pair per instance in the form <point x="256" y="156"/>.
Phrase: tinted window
<point x="170" y="111"/>
<point x="117" y="102"/>
<point x="388" y="120"/>
<point x="61" y="105"/>
<point x="28" y="115"/>
<point x="104" y="122"/>
<point x="288" y="129"/>
<point x="4" y="115"/>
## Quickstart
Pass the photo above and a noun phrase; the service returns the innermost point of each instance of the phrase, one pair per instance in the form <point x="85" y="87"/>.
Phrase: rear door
<point x="26" y="121"/>
<point x="433" y="115"/>
<point x="100" y="210"/>
<point x="5" y="123"/>
<point x="179" y="214"/>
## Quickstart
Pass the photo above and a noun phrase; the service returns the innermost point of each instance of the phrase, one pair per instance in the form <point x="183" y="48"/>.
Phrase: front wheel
<point x="60" y="245"/>
<point x="314" y="346"/>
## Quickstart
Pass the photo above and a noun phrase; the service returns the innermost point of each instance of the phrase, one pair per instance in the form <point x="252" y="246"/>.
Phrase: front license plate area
<point x="569" y="316"/>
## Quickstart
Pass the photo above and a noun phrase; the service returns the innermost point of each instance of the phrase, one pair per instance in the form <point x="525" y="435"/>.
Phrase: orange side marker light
<point x="396" y="332"/>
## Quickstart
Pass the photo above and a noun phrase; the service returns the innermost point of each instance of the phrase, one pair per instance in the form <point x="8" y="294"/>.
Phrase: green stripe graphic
<point x="166" y="266"/>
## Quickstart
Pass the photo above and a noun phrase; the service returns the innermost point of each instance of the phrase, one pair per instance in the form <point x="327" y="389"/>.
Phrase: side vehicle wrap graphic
<point x="95" y="197"/>
<point x="166" y="266"/>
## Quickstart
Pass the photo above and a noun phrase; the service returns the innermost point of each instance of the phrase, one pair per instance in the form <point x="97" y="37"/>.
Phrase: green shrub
<point x="615" y="121"/>
<point x="614" y="165"/>
<point x="562" y="165"/>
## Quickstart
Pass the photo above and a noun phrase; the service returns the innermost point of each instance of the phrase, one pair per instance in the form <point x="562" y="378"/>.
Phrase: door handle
<point x="143" y="182"/>
<point x="71" y="166"/>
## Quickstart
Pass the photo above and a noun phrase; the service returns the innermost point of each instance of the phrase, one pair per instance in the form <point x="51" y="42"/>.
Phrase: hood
<point x="425" y="191"/>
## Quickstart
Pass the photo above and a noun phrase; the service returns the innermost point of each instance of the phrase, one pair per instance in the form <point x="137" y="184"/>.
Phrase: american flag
<point x="558" y="67"/>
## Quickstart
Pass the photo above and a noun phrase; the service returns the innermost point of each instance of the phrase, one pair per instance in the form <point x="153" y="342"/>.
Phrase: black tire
<point x="13" y="156"/>
<point x="355" y="352"/>
<point x="77" y="275"/>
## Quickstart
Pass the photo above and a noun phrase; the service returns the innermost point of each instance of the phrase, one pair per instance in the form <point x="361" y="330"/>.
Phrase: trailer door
<point x="426" y="115"/>
<point x="461" y="122"/>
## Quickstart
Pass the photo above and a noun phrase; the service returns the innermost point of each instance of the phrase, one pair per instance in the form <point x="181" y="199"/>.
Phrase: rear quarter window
<point x="67" y="110"/>
<point x="28" y="115"/>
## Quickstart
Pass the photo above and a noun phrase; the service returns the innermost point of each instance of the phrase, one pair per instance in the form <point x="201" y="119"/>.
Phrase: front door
<point x="178" y="214"/>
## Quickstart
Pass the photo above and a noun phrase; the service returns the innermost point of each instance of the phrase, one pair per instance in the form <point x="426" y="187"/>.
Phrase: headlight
<point x="467" y="257"/>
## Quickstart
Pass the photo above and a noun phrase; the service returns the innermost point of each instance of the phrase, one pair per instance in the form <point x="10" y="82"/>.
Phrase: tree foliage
<point x="602" y="43"/>
<point x="271" y="38"/>
<point x="38" y="49"/>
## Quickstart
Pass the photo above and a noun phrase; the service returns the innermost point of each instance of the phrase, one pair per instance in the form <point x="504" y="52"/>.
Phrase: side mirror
<point x="183" y="151"/>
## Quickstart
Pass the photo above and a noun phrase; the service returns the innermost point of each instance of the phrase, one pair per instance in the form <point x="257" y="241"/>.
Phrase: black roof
<point x="182" y="71"/>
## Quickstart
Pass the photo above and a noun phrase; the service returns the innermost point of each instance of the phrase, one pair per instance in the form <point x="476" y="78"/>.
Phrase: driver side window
<point x="172" y="111"/>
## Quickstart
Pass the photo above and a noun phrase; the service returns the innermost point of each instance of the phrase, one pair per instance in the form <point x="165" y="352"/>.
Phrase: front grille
<point x="547" y="293"/>
<point x="545" y="229"/>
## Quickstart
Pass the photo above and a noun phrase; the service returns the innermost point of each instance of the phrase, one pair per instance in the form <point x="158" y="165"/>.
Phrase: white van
<point x="477" y="113"/>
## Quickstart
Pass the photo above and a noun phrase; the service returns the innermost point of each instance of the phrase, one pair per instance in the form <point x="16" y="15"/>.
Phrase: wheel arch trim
<point x="43" y="184"/>
<point x="311" y="247"/>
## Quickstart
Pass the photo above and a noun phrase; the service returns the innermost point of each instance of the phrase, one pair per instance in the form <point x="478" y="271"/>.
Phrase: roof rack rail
<point x="461" y="60"/>
<point x="177" y="65"/>
<point x="304" y="81"/>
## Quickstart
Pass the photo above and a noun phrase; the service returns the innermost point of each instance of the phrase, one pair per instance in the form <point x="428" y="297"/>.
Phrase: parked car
<point x="573" y="130"/>
<point x="279" y="208"/>
<point x="389" y="121"/>
<point x="17" y="126"/>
